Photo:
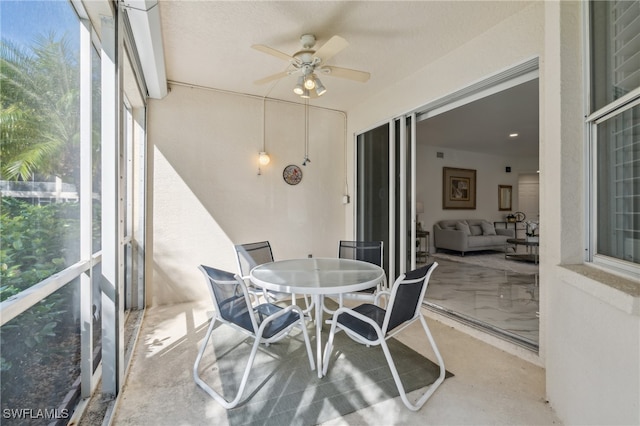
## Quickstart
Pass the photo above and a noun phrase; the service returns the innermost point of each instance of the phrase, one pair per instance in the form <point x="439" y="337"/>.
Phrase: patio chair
<point x="251" y="255"/>
<point x="372" y="325"/>
<point x="265" y="323"/>
<point x="367" y="251"/>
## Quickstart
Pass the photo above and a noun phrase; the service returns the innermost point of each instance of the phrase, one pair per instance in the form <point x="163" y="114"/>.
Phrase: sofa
<point x="465" y="235"/>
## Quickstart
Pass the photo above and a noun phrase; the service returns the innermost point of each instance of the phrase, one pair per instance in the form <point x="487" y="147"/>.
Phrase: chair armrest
<point x="361" y="317"/>
<point x="282" y="311"/>
<point x="386" y="294"/>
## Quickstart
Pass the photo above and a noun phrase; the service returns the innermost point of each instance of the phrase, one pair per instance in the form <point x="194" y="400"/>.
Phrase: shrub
<point x="36" y="242"/>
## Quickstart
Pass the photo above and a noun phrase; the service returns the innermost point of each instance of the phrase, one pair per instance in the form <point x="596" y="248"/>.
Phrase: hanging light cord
<point x="264" y="133"/>
<point x="306" y="133"/>
<point x="346" y="180"/>
<point x="264" y="114"/>
<point x="264" y="121"/>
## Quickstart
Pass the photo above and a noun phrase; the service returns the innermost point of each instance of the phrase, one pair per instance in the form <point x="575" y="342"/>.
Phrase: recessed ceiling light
<point x="513" y="135"/>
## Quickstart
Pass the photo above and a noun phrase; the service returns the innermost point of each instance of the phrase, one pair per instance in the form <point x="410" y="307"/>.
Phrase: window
<point x="614" y="132"/>
<point x="41" y="205"/>
<point x="58" y="134"/>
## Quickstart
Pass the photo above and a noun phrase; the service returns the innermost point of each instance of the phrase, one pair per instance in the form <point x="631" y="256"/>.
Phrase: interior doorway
<point x="499" y="140"/>
<point x="491" y="127"/>
<point x="529" y="195"/>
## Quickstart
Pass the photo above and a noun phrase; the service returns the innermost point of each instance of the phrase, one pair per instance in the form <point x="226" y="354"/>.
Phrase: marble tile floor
<point x="502" y="302"/>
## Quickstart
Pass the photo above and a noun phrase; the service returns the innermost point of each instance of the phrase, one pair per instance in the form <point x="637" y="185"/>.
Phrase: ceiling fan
<point x="308" y="62"/>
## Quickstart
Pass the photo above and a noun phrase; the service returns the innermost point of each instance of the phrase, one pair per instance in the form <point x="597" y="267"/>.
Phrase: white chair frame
<point x="383" y="336"/>
<point x="257" y="336"/>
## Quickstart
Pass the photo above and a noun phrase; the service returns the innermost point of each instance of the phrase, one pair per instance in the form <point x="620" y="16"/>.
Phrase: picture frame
<point x="458" y="189"/>
<point x="504" y="197"/>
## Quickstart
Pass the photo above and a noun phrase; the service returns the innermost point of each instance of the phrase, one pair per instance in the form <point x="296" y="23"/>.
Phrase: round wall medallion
<point x="292" y="174"/>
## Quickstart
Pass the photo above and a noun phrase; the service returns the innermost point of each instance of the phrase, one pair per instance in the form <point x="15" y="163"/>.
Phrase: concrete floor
<point x="490" y="386"/>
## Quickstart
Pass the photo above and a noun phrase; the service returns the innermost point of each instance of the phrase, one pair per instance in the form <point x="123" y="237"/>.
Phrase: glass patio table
<point x="317" y="277"/>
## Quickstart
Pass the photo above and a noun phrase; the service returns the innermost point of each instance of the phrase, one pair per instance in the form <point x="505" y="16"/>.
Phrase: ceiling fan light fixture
<point x="309" y="82"/>
<point x="299" y="89"/>
<point x="320" y="89"/>
<point x="305" y="62"/>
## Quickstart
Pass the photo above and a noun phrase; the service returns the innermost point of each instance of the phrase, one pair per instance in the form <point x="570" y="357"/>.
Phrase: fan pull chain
<point x="306" y="133"/>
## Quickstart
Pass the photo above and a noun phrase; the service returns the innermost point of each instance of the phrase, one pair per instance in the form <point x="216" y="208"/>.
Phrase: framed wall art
<point x="504" y="197"/>
<point x="458" y="188"/>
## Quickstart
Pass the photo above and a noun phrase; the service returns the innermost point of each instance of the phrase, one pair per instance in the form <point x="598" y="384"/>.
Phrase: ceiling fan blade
<point x="271" y="51"/>
<point x="331" y="48"/>
<point x="272" y="78"/>
<point x="355" y="75"/>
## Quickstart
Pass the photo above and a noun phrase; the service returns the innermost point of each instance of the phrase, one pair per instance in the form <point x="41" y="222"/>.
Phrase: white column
<point x="112" y="250"/>
<point x="86" y="216"/>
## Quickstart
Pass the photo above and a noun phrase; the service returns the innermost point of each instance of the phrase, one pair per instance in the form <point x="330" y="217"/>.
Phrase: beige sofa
<point x="469" y="235"/>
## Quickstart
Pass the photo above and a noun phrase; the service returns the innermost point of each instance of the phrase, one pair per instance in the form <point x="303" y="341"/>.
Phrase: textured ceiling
<point x="208" y="43"/>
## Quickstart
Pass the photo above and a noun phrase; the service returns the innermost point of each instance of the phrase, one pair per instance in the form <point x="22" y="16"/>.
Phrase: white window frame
<point x="611" y="110"/>
<point x="623" y="104"/>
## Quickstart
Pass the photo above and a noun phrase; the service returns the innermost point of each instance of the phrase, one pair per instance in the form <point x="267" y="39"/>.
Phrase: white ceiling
<point x="485" y="124"/>
<point x="208" y="43"/>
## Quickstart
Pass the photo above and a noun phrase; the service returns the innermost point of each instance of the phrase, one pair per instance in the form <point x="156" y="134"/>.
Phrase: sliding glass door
<point x="385" y="182"/>
<point x="372" y="181"/>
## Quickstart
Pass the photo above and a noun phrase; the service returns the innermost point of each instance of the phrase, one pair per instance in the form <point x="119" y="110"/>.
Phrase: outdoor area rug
<point x="282" y="389"/>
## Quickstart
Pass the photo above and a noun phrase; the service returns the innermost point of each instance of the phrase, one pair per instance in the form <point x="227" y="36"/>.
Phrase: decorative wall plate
<point x="292" y="174"/>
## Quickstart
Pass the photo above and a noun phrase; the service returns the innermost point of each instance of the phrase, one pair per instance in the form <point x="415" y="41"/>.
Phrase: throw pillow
<point x="475" y="229"/>
<point x="488" y="228"/>
<point x="461" y="226"/>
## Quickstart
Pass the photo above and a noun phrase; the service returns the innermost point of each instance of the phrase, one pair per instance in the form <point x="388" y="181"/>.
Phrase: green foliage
<point x="39" y="118"/>
<point x="37" y="241"/>
<point x="39" y="139"/>
<point x="40" y="321"/>
<point x="5" y="365"/>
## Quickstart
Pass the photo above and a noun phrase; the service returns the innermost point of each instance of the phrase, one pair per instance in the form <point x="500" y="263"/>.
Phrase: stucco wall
<point x="592" y="329"/>
<point x="207" y="195"/>
<point x="593" y="355"/>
